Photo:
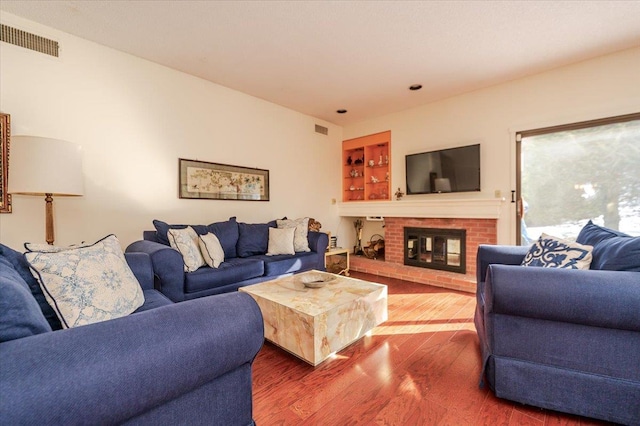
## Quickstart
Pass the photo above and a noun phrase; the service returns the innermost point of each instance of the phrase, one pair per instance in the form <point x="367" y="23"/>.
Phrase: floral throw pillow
<point x="87" y="284"/>
<point x="553" y="252"/>
<point x="300" y="241"/>
<point x="186" y="242"/>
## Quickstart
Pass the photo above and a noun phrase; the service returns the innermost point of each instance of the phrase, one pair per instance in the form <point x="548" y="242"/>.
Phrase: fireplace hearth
<point x="434" y="248"/>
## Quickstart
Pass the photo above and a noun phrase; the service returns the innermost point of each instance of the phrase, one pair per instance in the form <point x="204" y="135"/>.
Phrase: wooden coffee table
<point x="313" y="323"/>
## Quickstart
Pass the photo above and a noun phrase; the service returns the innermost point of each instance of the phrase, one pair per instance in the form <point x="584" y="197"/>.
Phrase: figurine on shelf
<point x="399" y="194"/>
<point x="374" y="179"/>
<point x="386" y="159"/>
<point x="386" y="177"/>
<point x="359" y="161"/>
<point x="349" y="160"/>
<point x="380" y="162"/>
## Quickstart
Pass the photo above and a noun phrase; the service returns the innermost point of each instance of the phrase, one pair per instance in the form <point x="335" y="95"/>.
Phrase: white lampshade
<point x="39" y="166"/>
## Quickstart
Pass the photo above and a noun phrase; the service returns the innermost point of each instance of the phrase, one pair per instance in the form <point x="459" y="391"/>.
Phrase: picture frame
<point x="214" y="181"/>
<point x="5" y="139"/>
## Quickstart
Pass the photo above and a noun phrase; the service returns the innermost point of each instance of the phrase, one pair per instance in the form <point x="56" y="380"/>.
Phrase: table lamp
<point x="45" y="167"/>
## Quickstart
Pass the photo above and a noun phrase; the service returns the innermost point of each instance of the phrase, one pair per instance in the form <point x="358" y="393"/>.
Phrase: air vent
<point x="322" y="130"/>
<point x="28" y="41"/>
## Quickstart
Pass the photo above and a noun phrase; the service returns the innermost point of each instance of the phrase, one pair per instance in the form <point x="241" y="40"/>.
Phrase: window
<point x="571" y="174"/>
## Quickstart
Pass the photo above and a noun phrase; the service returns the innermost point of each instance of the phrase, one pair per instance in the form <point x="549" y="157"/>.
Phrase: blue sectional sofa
<point x="245" y="263"/>
<point x="563" y="339"/>
<point x="167" y="363"/>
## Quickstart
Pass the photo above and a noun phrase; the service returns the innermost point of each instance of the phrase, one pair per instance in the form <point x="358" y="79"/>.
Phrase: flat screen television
<point x="446" y="170"/>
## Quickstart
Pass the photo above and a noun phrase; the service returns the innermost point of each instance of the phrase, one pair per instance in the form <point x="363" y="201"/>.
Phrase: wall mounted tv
<point x="446" y="170"/>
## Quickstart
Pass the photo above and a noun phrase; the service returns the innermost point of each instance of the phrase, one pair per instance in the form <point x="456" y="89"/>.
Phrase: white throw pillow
<point x="281" y="241"/>
<point x="300" y="241"/>
<point x="553" y="252"/>
<point x="186" y="242"/>
<point x="87" y="284"/>
<point x="211" y="249"/>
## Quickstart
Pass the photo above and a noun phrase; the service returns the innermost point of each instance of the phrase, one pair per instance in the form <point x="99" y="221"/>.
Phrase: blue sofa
<point x="245" y="263"/>
<point x="562" y="339"/>
<point x="167" y="363"/>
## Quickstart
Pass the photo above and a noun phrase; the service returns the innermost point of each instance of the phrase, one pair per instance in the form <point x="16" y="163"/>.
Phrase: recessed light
<point x="341" y="111"/>
<point x="415" y="87"/>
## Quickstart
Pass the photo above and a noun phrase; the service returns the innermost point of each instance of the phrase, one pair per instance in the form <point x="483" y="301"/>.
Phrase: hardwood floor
<point x="421" y="367"/>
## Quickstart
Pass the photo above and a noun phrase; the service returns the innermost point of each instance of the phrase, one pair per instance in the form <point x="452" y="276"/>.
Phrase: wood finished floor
<point x="421" y="367"/>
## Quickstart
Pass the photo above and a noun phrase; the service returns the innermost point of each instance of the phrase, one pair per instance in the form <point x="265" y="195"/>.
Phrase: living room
<point x="134" y="119"/>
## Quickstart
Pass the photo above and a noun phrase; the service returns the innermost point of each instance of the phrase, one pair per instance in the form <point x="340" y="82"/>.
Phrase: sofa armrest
<point x="168" y="267"/>
<point x="140" y="264"/>
<point x="318" y="241"/>
<point x="117" y="370"/>
<point x="500" y="254"/>
<point x="608" y="299"/>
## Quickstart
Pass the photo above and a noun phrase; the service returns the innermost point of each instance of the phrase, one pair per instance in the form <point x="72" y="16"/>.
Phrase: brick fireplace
<point x="478" y="231"/>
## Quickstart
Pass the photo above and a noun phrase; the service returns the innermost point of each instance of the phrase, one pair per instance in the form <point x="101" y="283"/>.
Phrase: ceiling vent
<point x="28" y="41"/>
<point x="322" y="130"/>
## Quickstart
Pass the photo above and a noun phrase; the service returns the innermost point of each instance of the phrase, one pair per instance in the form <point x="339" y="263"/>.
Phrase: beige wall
<point x="134" y="119"/>
<point x="602" y="87"/>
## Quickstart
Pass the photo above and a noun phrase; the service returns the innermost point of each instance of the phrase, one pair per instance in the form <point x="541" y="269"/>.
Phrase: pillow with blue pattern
<point x="553" y="252"/>
<point x="87" y="284"/>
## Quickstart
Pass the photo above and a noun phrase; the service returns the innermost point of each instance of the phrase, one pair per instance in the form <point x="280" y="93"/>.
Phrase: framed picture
<point x="5" y="131"/>
<point x="213" y="181"/>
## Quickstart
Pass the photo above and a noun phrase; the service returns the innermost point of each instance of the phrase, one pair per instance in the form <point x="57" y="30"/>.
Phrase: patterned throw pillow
<point x="88" y="284"/>
<point x="300" y="241"/>
<point x="281" y="241"/>
<point x="46" y="248"/>
<point x="186" y="242"/>
<point x="211" y="249"/>
<point x="552" y="252"/>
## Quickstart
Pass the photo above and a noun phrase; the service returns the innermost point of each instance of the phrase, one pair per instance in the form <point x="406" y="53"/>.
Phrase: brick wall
<point x="479" y="231"/>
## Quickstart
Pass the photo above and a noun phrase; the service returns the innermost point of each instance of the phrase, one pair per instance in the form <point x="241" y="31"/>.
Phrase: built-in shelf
<point x="487" y="208"/>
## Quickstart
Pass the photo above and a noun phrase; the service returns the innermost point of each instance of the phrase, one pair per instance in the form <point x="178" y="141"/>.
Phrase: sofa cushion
<point x="162" y="229"/>
<point x="227" y="233"/>
<point x="301" y="226"/>
<point x="88" y="284"/>
<point x="233" y="270"/>
<point x="153" y="299"/>
<point x="553" y="252"/>
<point x="281" y="241"/>
<point x="186" y="242"/>
<point x="253" y="238"/>
<point x="286" y="263"/>
<point x="612" y="250"/>
<point x="20" y="264"/>
<point x="20" y="315"/>
<point x="211" y="249"/>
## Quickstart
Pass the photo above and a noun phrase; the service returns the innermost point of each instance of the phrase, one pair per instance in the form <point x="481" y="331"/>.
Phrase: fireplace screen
<point x="435" y="248"/>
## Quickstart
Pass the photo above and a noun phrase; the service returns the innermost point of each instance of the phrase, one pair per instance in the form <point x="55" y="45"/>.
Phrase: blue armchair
<point x="566" y="340"/>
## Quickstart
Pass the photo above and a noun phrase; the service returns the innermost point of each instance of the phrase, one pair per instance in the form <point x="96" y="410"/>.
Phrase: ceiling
<point x="316" y="57"/>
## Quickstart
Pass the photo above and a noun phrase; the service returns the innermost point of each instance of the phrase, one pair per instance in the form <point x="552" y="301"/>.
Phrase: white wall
<point x="134" y="119"/>
<point x="602" y="87"/>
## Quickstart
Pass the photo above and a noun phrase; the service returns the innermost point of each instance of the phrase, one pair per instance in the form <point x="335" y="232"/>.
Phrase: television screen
<point x="446" y="170"/>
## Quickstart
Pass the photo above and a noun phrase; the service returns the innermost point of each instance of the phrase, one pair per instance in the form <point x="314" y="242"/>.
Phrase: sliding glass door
<point x="568" y="175"/>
